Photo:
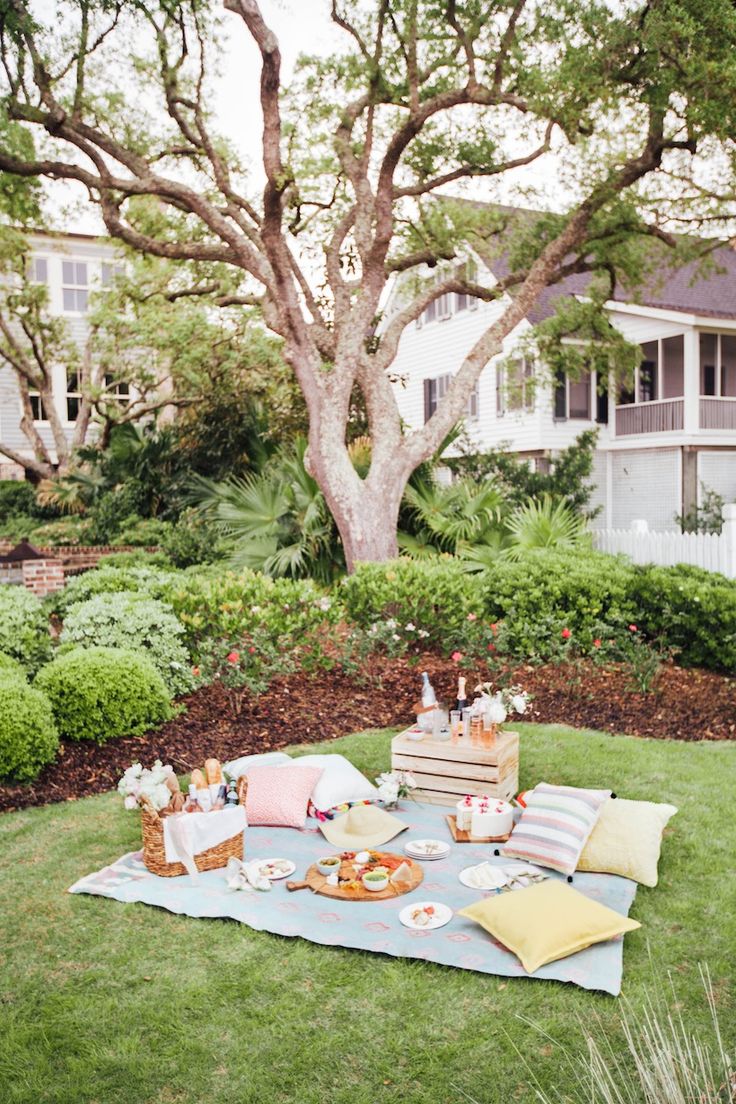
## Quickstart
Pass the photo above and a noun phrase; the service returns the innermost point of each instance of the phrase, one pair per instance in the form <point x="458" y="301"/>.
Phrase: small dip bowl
<point x="330" y="865"/>
<point x="375" y="881"/>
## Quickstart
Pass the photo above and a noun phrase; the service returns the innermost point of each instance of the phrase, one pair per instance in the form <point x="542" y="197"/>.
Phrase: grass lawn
<point x="106" y="1002"/>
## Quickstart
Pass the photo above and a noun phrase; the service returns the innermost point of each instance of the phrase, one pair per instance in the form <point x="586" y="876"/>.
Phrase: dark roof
<point x="707" y="289"/>
<point x="22" y="551"/>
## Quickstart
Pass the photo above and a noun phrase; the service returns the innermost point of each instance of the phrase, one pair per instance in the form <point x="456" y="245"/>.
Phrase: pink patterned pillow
<point x="278" y="796"/>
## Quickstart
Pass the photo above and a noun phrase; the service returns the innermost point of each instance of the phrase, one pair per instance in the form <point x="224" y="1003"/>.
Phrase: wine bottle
<point x="429" y="698"/>
<point x="232" y="795"/>
<point x="462" y="698"/>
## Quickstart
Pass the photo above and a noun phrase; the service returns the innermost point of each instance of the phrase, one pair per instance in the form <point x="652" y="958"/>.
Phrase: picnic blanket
<point x="370" y="925"/>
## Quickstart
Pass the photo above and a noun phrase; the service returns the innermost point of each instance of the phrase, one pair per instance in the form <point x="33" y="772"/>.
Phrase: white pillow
<point x="236" y="767"/>
<point x="340" y="781"/>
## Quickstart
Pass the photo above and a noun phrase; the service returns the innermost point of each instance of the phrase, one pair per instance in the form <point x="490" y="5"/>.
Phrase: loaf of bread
<point x="198" y="779"/>
<point x="213" y="770"/>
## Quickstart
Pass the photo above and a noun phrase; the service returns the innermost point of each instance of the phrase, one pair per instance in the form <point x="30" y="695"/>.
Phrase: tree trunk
<point x="369" y="535"/>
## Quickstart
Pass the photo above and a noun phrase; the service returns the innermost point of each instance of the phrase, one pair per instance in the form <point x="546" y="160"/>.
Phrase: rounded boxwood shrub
<point x="100" y="693"/>
<point x="148" y="580"/>
<point x="24" y="631"/>
<point x="133" y="621"/>
<point x="28" y="735"/>
<point x="11" y="668"/>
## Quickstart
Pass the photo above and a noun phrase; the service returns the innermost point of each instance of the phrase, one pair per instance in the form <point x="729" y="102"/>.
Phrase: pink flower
<point x="491" y="647"/>
<point x="566" y="634"/>
<point x="633" y="628"/>
<point x="233" y="657"/>
<point x="494" y="627"/>
<point x="456" y="657"/>
<point x="251" y="650"/>
<point x="196" y="672"/>
<point x="472" y="617"/>
<point x="596" y="643"/>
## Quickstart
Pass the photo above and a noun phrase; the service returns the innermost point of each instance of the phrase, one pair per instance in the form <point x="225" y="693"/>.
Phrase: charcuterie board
<point x="350" y="888"/>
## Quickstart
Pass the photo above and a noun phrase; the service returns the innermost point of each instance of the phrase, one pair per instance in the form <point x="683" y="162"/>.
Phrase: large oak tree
<point x="427" y="95"/>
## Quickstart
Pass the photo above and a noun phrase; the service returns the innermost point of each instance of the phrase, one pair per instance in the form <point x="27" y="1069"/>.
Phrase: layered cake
<point x="491" y="818"/>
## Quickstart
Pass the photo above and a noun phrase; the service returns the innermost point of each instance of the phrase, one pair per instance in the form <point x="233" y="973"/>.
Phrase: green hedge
<point x="11" y="668"/>
<point x="28" y="736"/>
<point x="100" y="693"/>
<point x="146" y="579"/>
<point x="24" y="631"/>
<point x="591" y="594"/>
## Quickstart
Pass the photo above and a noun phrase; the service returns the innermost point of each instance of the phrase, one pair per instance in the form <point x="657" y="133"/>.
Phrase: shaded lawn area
<point x="103" y="1002"/>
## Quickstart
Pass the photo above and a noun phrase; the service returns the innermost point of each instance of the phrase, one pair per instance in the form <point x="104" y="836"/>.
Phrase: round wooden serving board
<point x="318" y="882"/>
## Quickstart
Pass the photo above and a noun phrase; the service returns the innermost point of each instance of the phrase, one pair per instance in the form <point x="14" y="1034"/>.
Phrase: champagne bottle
<point x="429" y="698"/>
<point x="462" y="698"/>
<point x="232" y="795"/>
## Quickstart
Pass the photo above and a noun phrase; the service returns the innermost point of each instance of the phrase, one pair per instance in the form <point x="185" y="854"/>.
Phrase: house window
<point x="111" y="273"/>
<point x="39" y="270"/>
<point x="36" y="406"/>
<point x="648" y="371"/>
<point x="74" y="286"/>
<point x="436" y="389"/>
<point x="718" y="365"/>
<point x="514" y="387"/>
<point x="73" y="396"/>
<point x="117" y="392"/>
<point x="444" y="306"/>
<point x="573" y="398"/>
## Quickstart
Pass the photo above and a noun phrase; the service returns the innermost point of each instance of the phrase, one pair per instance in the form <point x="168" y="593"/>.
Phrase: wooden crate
<point x="445" y="772"/>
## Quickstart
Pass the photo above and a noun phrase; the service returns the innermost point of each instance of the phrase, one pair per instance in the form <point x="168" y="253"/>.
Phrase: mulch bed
<point x="685" y="705"/>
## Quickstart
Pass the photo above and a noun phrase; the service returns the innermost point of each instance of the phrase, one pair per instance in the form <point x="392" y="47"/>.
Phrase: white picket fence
<point x="712" y="551"/>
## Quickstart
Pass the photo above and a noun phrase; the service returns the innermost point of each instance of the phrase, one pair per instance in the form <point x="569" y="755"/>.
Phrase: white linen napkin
<point x="188" y="834"/>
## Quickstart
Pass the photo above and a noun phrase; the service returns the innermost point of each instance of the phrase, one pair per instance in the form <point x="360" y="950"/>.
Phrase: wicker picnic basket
<point x="154" y="855"/>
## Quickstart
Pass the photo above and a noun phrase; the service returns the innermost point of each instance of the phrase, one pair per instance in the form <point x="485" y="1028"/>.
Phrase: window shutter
<point x="428" y="397"/>
<point x="560" y="397"/>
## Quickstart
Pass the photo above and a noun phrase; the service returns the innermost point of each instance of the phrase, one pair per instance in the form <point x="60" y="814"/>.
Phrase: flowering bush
<point x="139" y="781"/>
<point x="496" y="705"/>
<point x="250" y="663"/>
<point x="133" y="621"/>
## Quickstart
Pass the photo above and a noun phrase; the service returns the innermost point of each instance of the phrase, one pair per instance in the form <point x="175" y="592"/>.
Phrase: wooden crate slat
<point x="506" y="790"/>
<point x="417" y="765"/>
<point x="459" y="786"/>
<point x="461" y="753"/>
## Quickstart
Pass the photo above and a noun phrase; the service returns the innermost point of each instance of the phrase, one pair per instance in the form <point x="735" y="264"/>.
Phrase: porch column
<point x="691" y="412"/>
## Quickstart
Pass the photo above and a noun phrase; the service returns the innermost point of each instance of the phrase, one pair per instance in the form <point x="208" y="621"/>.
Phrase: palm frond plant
<point x="452" y="517"/>
<point x="544" y="524"/>
<point x="276" y="521"/>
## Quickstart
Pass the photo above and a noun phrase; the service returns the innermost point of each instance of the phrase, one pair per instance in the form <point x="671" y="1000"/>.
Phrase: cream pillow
<point x="547" y="921"/>
<point x="626" y="840"/>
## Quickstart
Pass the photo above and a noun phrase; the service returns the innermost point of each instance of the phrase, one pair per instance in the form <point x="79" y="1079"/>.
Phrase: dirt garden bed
<point x="686" y="705"/>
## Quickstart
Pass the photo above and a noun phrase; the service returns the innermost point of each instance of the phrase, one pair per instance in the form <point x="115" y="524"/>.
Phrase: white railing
<point x="657" y="416"/>
<point x="712" y="551"/>
<point x="718" y="413"/>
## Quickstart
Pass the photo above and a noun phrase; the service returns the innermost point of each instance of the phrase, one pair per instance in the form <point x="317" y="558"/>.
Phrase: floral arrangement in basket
<point x="157" y="786"/>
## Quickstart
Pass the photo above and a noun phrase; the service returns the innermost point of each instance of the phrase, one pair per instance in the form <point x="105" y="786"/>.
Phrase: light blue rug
<point x="370" y="925"/>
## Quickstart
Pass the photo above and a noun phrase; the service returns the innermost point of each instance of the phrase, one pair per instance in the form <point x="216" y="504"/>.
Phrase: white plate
<point x="496" y="878"/>
<point x="427" y="849"/>
<point x="291" y="867"/>
<point x="442" y="916"/>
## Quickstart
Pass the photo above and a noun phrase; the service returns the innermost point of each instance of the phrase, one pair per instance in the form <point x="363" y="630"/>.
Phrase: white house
<point x="71" y="266"/>
<point x="657" y="446"/>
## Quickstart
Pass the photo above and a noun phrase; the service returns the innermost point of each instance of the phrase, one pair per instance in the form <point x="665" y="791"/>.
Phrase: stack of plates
<point x="426" y="849"/>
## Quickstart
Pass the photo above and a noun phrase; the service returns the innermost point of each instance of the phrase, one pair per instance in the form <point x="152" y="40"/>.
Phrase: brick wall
<point x="43" y="576"/>
<point x="81" y="556"/>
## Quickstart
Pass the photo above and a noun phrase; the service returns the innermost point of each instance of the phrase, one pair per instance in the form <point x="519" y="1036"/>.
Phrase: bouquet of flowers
<point x="497" y="706"/>
<point x="394" y="784"/>
<point x="157" y="784"/>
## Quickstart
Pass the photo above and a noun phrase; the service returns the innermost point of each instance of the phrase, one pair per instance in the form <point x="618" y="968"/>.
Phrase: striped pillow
<point x="555" y="826"/>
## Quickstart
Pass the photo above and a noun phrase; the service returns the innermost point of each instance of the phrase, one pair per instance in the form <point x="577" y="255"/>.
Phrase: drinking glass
<point x="456" y="718"/>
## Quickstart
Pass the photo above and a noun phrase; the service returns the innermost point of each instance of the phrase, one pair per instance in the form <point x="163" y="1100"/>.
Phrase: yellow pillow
<point x="626" y="840"/>
<point x="547" y="921"/>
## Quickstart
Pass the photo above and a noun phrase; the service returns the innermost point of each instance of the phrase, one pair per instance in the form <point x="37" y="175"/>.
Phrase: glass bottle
<point x="192" y="805"/>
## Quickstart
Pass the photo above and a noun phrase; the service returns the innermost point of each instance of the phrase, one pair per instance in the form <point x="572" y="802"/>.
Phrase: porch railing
<point x="717" y="413"/>
<point x="658" y="416"/>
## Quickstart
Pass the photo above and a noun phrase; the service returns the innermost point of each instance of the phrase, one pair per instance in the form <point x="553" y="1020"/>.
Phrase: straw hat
<point x="361" y="827"/>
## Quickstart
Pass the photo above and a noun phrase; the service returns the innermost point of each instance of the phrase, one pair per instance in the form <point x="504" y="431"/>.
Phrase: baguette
<point x="198" y="779"/>
<point x="213" y="770"/>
